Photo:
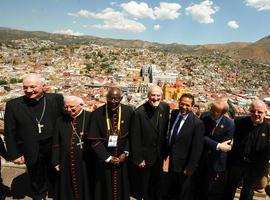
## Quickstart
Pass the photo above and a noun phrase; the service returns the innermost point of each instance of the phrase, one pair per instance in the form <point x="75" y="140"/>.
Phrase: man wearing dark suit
<point x="218" y="135"/>
<point x="148" y="142"/>
<point x="29" y="127"/>
<point x="250" y="154"/>
<point x="185" y="147"/>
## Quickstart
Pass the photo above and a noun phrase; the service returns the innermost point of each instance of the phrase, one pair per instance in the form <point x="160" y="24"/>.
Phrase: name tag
<point x="113" y="141"/>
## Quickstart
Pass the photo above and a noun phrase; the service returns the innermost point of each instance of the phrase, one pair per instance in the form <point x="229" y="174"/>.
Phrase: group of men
<point x="116" y="151"/>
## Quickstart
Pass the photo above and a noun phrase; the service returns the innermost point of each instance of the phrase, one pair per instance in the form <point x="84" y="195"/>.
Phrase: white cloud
<point x="157" y="27"/>
<point x="202" y="12"/>
<point x="69" y="32"/>
<point x="122" y="24"/>
<point x="112" y="20"/>
<point x="142" y="10"/>
<point x="233" y="24"/>
<point x="259" y="4"/>
<point x="167" y="10"/>
<point x="120" y="20"/>
<point x="138" y="10"/>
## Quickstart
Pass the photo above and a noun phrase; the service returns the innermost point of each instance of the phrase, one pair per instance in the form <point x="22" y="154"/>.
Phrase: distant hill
<point x="258" y="51"/>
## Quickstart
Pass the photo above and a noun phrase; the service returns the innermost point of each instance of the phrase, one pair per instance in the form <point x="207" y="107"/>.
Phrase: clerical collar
<point x="151" y="108"/>
<point x="37" y="99"/>
<point x="78" y="114"/>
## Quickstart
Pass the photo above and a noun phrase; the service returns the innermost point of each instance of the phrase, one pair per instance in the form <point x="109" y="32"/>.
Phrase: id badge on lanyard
<point x="112" y="141"/>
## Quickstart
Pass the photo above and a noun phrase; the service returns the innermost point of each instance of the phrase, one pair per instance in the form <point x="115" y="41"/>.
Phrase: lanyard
<point x="109" y="121"/>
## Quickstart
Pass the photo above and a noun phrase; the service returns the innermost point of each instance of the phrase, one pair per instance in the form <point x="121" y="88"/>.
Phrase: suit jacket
<point x="186" y="151"/>
<point x="98" y="133"/>
<point x="223" y="131"/>
<point x="21" y="131"/>
<point x="148" y="141"/>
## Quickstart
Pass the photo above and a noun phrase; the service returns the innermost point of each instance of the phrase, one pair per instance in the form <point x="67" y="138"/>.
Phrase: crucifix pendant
<point x="39" y="127"/>
<point x="80" y="144"/>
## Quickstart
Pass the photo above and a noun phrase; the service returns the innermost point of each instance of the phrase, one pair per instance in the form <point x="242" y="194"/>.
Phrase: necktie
<point x="175" y="130"/>
<point x="213" y="126"/>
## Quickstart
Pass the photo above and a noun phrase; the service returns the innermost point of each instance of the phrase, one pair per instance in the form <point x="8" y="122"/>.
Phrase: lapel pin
<point x="221" y="126"/>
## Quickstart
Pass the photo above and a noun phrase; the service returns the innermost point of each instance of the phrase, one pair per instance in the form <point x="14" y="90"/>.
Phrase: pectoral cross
<point x="80" y="144"/>
<point x="39" y="127"/>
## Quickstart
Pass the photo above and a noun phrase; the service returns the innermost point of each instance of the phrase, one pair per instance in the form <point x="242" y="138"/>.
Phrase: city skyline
<point x="182" y="22"/>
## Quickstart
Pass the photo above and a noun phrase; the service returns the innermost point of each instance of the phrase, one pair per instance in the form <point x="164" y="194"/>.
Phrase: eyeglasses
<point x="66" y="107"/>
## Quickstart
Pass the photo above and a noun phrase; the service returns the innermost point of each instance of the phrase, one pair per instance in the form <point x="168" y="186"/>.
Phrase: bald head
<point x="218" y="108"/>
<point x="155" y="95"/>
<point x="258" y="110"/>
<point x="114" y="97"/>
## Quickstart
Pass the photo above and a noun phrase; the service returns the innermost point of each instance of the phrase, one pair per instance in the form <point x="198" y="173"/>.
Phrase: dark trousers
<point x="42" y="174"/>
<point x="148" y="181"/>
<point x="180" y="186"/>
<point x="249" y="173"/>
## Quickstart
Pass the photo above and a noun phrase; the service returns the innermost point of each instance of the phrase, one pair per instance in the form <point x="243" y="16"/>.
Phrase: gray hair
<point x="36" y="77"/>
<point x="76" y="99"/>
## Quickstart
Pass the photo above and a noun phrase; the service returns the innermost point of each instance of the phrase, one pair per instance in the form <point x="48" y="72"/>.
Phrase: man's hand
<point x="57" y="167"/>
<point x="122" y="158"/>
<point x="19" y="161"/>
<point x="115" y="160"/>
<point x="225" y="146"/>
<point x="142" y="164"/>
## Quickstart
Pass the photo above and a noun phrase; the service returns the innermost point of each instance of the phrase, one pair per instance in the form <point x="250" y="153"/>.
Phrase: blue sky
<point x="167" y="21"/>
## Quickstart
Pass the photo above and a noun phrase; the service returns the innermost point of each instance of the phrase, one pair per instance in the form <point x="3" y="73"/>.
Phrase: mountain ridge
<point x="258" y="51"/>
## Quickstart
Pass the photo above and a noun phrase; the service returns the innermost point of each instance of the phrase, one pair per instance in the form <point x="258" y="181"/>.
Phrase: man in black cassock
<point x="250" y="154"/>
<point x="148" y="144"/>
<point x="108" y="134"/>
<point x="29" y="126"/>
<point x="68" y="154"/>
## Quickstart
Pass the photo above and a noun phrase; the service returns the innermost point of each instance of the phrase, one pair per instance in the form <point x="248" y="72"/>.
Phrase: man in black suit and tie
<point x="185" y="147"/>
<point x="29" y="127"/>
<point x="148" y="142"/>
<point x="218" y="135"/>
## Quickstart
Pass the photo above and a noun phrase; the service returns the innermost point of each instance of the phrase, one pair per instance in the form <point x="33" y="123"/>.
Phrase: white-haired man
<point x="148" y="143"/>
<point x="250" y="154"/>
<point x="29" y="126"/>
<point x="69" y="154"/>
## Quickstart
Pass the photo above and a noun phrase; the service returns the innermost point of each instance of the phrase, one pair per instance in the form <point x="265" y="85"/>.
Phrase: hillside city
<point x="88" y="70"/>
